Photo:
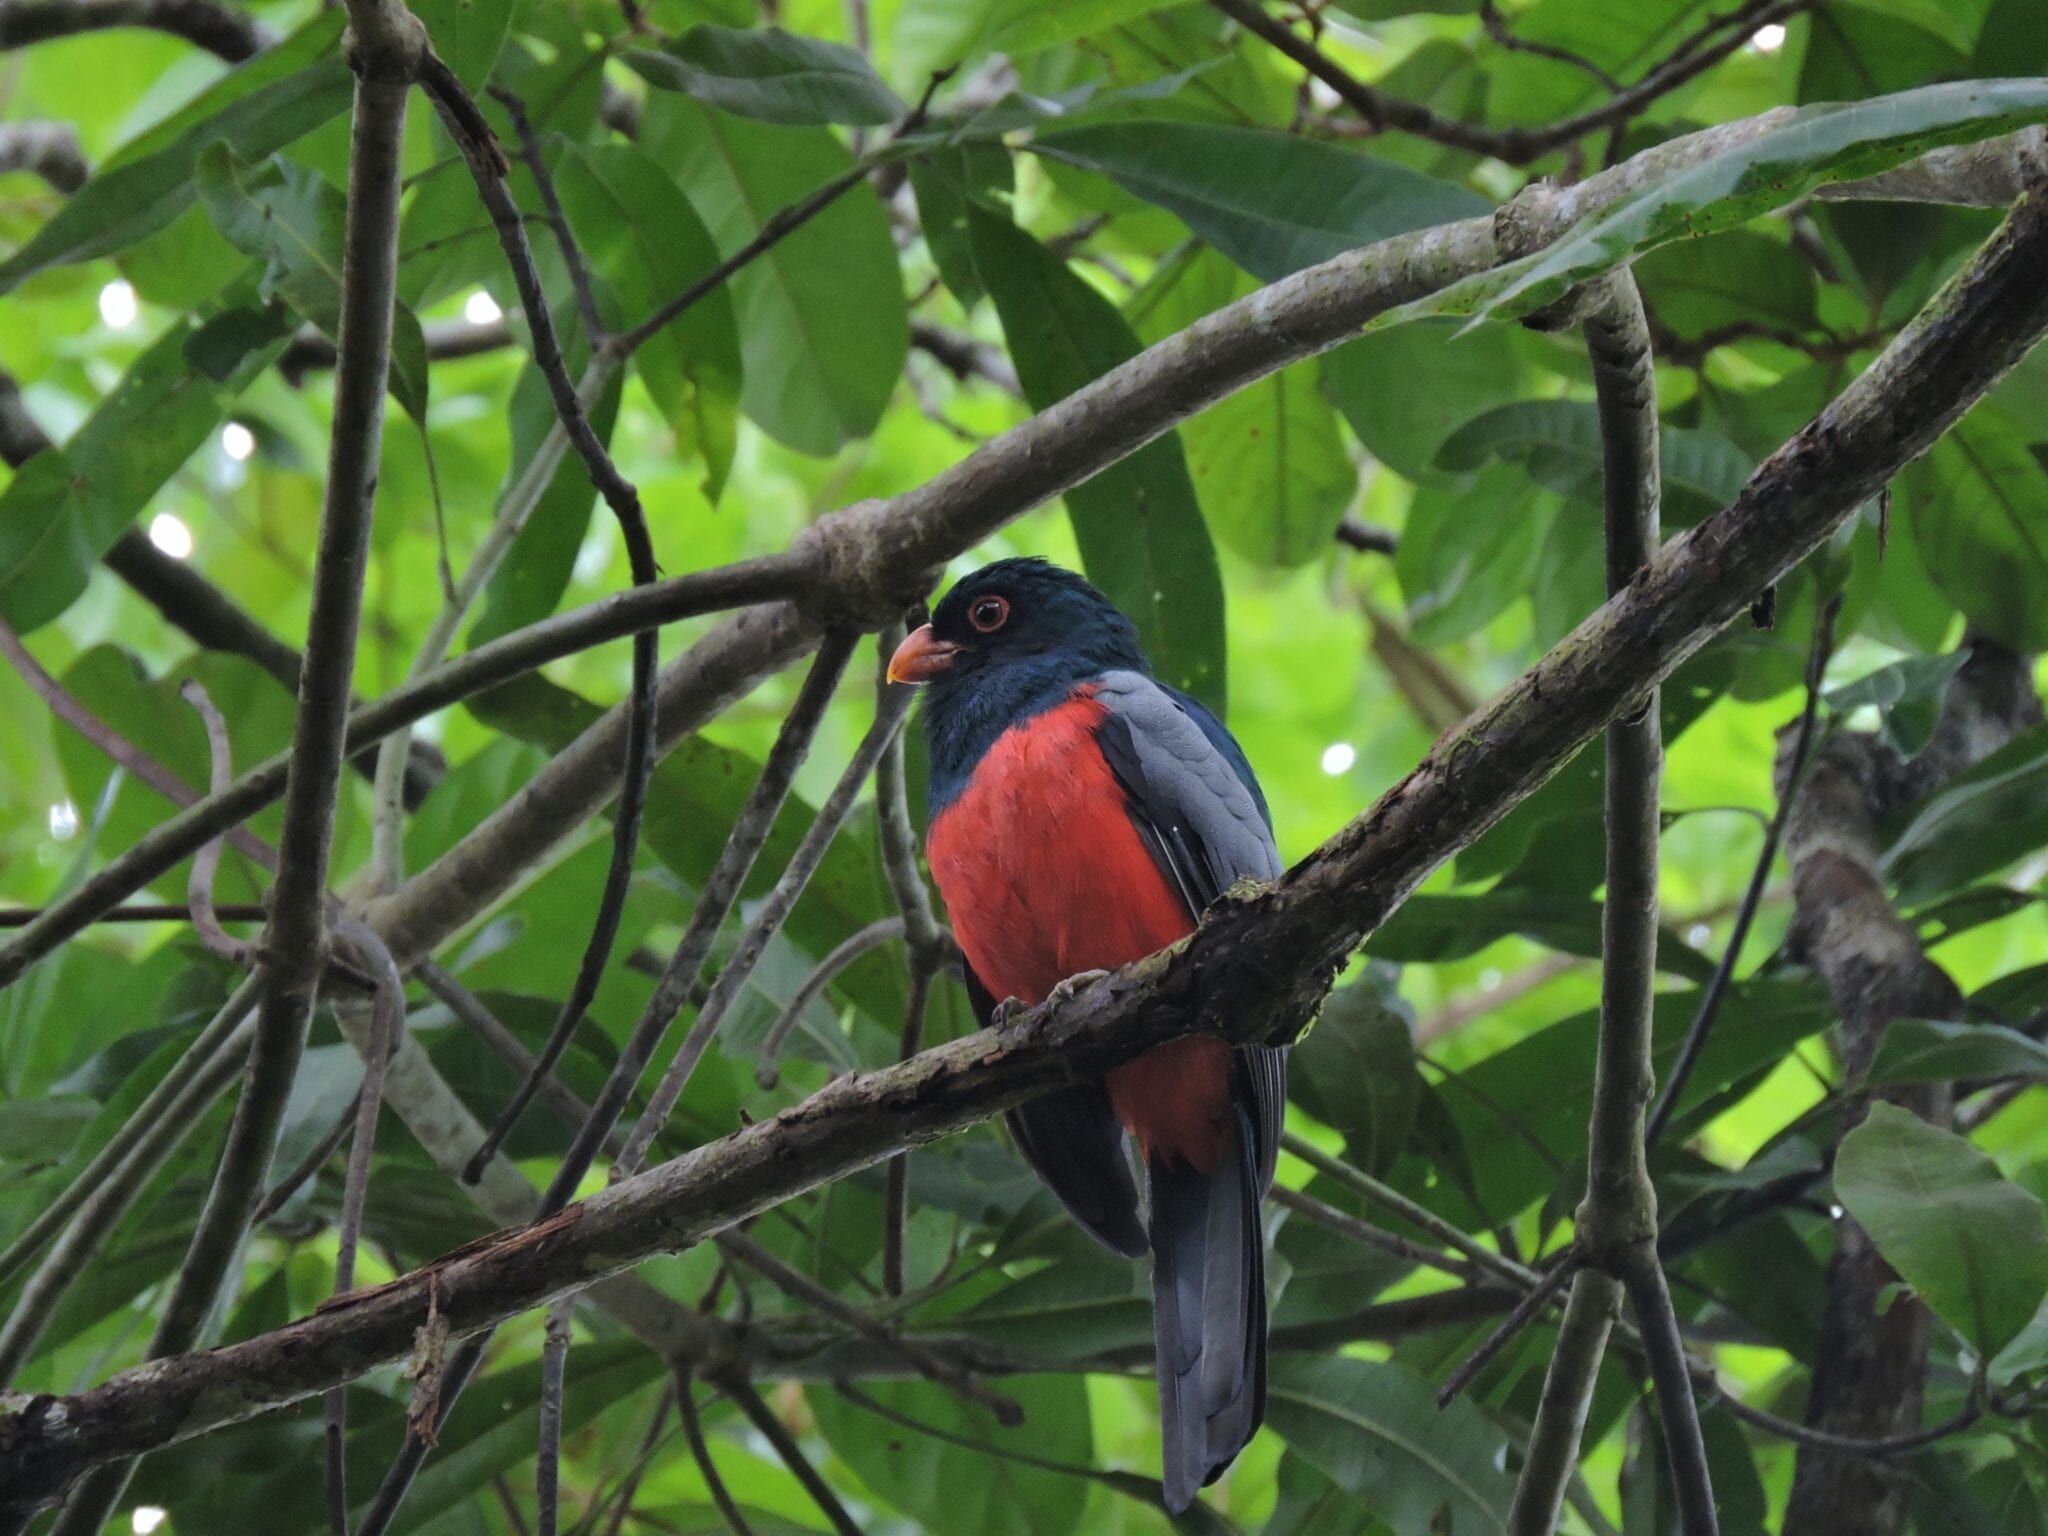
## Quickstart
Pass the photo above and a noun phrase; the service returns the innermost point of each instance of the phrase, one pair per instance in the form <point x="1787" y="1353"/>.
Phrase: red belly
<point x="1045" y="876"/>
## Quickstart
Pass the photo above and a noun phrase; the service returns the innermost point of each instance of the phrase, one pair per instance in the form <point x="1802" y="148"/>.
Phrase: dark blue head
<point x="1007" y="643"/>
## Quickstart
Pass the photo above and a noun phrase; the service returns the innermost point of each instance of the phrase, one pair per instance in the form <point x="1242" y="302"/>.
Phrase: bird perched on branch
<point x="1082" y="816"/>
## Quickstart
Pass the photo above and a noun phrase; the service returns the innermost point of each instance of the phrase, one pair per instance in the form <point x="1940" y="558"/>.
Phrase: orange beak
<point x="921" y="657"/>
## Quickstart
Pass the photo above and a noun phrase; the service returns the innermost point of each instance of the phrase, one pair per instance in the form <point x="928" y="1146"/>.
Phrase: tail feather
<point x="1209" y="1312"/>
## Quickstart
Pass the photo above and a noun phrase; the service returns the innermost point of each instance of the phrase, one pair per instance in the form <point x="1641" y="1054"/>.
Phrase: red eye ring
<point x="989" y="614"/>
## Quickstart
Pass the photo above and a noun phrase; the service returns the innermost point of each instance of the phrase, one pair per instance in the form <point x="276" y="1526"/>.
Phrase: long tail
<point x="1208" y="1312"/>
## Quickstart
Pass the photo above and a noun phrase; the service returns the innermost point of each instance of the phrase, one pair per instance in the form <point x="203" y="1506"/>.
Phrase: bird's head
<point x="1022" y="621"/>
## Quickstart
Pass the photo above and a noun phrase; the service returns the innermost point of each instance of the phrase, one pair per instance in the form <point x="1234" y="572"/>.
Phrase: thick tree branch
<point x="218" y="28"/>
<point x="1871" y="1366"/>
<point x="863" y="566"/>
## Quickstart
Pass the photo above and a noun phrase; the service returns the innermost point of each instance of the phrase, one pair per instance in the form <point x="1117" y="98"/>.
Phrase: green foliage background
<point x="1133" y="167"/>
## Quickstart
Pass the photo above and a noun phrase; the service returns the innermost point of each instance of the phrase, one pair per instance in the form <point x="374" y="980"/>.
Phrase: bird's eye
<point x="989" y="614"/>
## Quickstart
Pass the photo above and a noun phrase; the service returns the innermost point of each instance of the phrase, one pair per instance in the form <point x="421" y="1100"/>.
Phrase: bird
<point x="1081" y="815"/>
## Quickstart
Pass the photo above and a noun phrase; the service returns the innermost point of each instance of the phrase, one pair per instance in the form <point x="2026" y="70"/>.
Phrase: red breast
<point x="1045" y="876"/>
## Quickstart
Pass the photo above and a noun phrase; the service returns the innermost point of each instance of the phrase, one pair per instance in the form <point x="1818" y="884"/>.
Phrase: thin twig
<point x="693" y="1431"/>
<point x="146" y="912"/>
<point x="849" y="949"/>
<point x="220" y="29"/>
<point x="547" y="1473"/>
<point x="221" y="772"/>
<point x="487" y="165"/>
<point x="1387" y="1198"/>
<point x="294" y="940"/>
<point x="800" y="1288"/>
<point x="558" y="221"/>
<point x="803" y="863"/>
<point x="1534" y="1301"/>
<point x="1553" y="1451"/>
<point x="763" y="1418"/>
<point x="714" y="905"/>
<point x="1323" y="1215"/>
<point x="1497" y="28"/>
<point x="1703" y="1017"/>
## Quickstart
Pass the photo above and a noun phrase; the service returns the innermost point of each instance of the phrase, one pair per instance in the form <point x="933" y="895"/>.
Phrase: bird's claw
<point x="1064" y="991"/>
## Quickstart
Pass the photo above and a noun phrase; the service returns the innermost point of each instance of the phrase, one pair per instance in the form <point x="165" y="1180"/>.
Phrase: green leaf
<point x="265" y="104"/>
<point x="776" y="76"/>
<point x="293" y="220"/>
<point x="66" y="506"/>
<point x="643" y="238"/>
<point x="468" y="35"/>
<point x="1374" y="1429"/>
<point x="1931" y="1051"/>
<point x="1437" y="928"/>
<point x="1973" y="1245"/>
<point x="1272" y="202"/>
<point x="822" y="324"/>
<point x="1405" y="390"/>
<point x="1976" y="824"/>
<point x="1141" y="532"/>
<point x="1355" y="1071"/>
<point x="945" y="180"/>
<point x="948" y="1487"/>
<point x="1742" y="279"/>
<point x="528" y="584"/>
<point x="1814" y="147"/>
<point x="1906" y="696"/>
<point x="1268" y="462"/>
<point x="1978" y="501"/>
<point x="1558" y="442"/>
<point x="1465" y="554"/>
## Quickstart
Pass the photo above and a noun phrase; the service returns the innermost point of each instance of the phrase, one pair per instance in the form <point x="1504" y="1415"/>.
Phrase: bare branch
<point x="1553" y="1451"/>
<point x="48" y="150"/>
<point x="849" y="949"/>
<point x="218" y="28"/>
<point x="693" y="1431"/>
<point x="777" y="1434"/>
<point x="385" y="48"/>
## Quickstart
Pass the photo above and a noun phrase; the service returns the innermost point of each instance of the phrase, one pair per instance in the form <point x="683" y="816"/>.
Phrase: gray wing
<point x="1199" y="814"/>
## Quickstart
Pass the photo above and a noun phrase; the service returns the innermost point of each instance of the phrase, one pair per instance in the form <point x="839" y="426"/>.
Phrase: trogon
<point x="1082" y="815"/>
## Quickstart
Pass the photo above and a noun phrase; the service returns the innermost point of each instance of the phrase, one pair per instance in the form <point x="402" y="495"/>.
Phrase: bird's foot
<point x="1010" y="1011"/>
<point x="1064" y="991"/>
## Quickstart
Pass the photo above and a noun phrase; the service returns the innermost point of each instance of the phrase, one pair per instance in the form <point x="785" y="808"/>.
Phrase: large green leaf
<point x="1405" y="390"/>
<point x="468" y="35"/>
<point x="293" y="221"/>
<point x="948" y="1487"/>
<point x="1465" y="552"/>
<point x="822" y="325"/>
<point x="776" y="76"/>
<point x="1138" y="524"/>
<point x="1931" y="1051"/>
<point x="1268" y="462"/>
<point x="1971" y="1243"/>
<point x="66" y="506"/>
<point x="648" y="244"/>
<point x="1355" y="1070"/>
<point x="1374" y="1429"/>
<point x="1979" y="504"/>
<point x="1813" y="147"/>
<point x="1272" y="202"/>
<point x="1558" y="442"/>
<point x="276" y="97"/>
<point x="1976" y="824"/>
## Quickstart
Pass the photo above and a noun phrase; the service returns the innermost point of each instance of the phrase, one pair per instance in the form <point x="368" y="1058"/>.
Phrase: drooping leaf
<point x="67" y="505"/>
<point x="1272" y="202"/>
<point x="821" y="316"/>
<point x="1138" y="524"/>
<point x="1976" y="824"/>
<point x="1979" y="504"/>
<point x="1355" y="1071"/>
<point x="468" y="35"/>
<point x="1374" y="1429"/>
<point x="776" y="76"/>
<point x="947" y="1486"/>
<point x="1558" y="442"/>
<point x="1932" y="1051"/>
<point x="292" y="220"/>
<point x="648" y="244"/>
<point x="945" y="180"/>
<point x="1816" y="146"/>
<point x="1268" y="462"/>
<point x="1971" y="1243"/>
<point x="1906" y="696"/>
<point x="276" y="97"/>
